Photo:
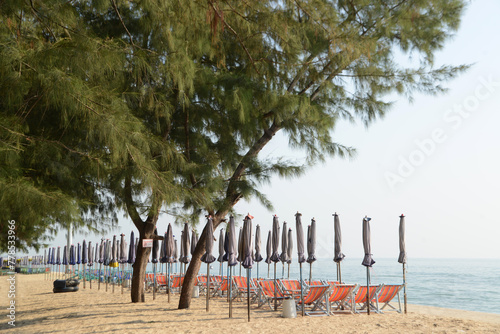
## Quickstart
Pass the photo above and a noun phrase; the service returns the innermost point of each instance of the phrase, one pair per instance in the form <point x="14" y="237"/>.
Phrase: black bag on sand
<point x="69" y="285"/>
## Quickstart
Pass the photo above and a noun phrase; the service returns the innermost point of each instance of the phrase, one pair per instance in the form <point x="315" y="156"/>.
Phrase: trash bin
<point x="289" y="309"/>
<point x="196" y="292"/>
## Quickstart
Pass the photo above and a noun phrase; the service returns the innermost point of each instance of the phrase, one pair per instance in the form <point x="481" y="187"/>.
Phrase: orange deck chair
<point x="385" y="295"/>
<point x="339" y="293"/>
<point x="317" y="299"/>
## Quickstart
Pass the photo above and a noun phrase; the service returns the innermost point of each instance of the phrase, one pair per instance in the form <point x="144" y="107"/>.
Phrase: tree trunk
<point x="194" y="265"/>
<point x="139" y="266"/>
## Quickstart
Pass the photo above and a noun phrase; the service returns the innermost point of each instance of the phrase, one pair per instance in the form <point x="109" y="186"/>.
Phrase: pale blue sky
<point x="448" y="190"/>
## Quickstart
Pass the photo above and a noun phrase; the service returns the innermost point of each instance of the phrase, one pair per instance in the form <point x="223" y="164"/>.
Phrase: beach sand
<point x="39" y="310"/>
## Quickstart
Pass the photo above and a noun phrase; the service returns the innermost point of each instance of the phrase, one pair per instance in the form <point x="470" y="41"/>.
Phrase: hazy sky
<point x="435" y="160"/>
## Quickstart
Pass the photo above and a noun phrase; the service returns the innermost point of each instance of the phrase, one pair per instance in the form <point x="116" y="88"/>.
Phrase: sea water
<point x="466" y="284"/>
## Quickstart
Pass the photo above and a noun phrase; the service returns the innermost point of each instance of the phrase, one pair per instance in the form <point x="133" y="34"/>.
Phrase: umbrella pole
<point x="208" y="286"/>
<point x="301" y="289"/>
<point x="268" y="266"/>
<point x="248" y="293"/>
<point x="230" y="292"/>
<point x="310" y="272"/>
<point x="275" y="299"/>
<point x="154" y="281"/>
<point x="84" y="276"/>
<point x="106" y="277"/>
<point x="91" y="269"/>
<point x="368" y="290"/>
<point x="122" y="281"/>
<point x="283" y="271"/>
<point x="168" y="281"/>
<point x="99" y="278"/>
<point x="240" y="268"/>
<point x="404" y="285"/>
<point x="289" y="271"/>
<point x="257" y="270"/>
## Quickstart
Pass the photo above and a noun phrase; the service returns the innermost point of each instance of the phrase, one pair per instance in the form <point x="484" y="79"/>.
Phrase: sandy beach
<point x="39" y="310"/>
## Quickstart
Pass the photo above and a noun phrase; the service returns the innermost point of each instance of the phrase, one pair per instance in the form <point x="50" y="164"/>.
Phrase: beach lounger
<point x="385" y="295"/>
<point x="317" y="299"/>
<point x="241" y="285"/>
<point x="266" y="293"/>
<point x="176" y="282"/>
<point x="338" y="295"/>
<point x="291" y="288"/>
<point x="358" y="301"/>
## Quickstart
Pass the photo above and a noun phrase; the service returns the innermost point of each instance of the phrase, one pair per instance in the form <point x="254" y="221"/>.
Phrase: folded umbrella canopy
<point x="289" y="250"/>
<point x="240" y="248"/>
<point x="402" y="253"/>
<point x="208" y="257"/>
<point x="300" y="253"/>
<point x="231" y="260"/>
<point x="102" y="249"/>
<point x="122" y="258"/>
<point x="257" y="255"/>
<point x="367" y="260"/>
<point x="169" y="254"/>
<point x="268" y="251"/>
<point x="311" y="246"/>
<point x="247" y="255"/>
<point x="72" y="256"/>
<point x="154" y="259"/>
<point x="185" y="246"/>
<point x="84" y="260"/>
<point x="65" y="259"/>
<point x="275" y="256"/>
<point x="194" y="242"/>
<point x="284" y="248"/>
<point x="131" y="249"/>
<point x="90" y="263"/>
<point x="220" y="258"/>
<point x="338" y="256"/>
<point x="78" y="256"/>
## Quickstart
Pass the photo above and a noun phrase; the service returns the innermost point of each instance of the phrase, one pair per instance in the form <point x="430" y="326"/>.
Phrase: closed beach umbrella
<point x="289" y="250"/>
<point x="338" y="256"/>
<point x="311" y="246"/>
<point x="72" y="255"/>
<point x="65" y="256"/>
<point x="226" y="245"/>
<point x="185" y="244"/>
<point x="114" y="253"/>
<point x="154" y="260"/>
<point x="275" y="256"/>
<point x="78" y="254"/>
<point x="100" y="260"/>
<point x="402" y="252"/>
<point x="258" y="255"/>
<point x="123" y="249"/>
<point x="90" y="256"/>
<point x="169" y="254"/>
<point x="367" y="260"/>
<point x="300" y="253"/>
<point x="247" y="251"/>
<point x="122" y="258"/>
<point x="84" y="254"/>
<point x="275" y="239"/>
<point x="58" y="256"/>
<point x="220" y="258"/>
<point x="284" y="248"/>
<point x="194" y="242"/>
<point x="131" y="249"/>
<point x="84" y="260"/>
<point x="208" y="257"/>
<point x="240" y="247"/>
<point x="231" y="261"/>
<point x="209" y="242"/>
<point x="269" y="251"/>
